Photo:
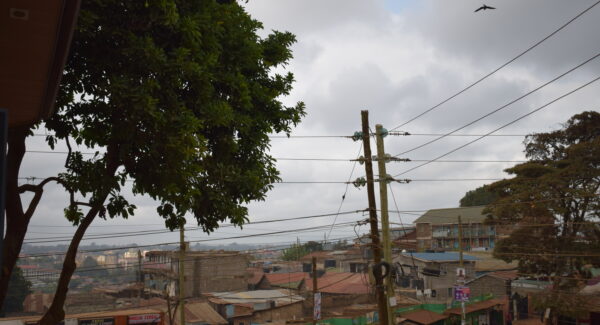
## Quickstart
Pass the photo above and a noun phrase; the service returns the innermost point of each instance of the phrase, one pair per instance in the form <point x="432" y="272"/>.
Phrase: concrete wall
<point x="226" y="273"/>
<point x="488" y="284"/>
<point x="283" y="313"/>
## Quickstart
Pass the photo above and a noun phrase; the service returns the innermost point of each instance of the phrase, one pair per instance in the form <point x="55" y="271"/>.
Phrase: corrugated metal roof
<point x="343" y="283"/>
<point x="440" y="257"/>
<point x="423" y="316"/>
<point x="450" y="216"/>
<point x="476" y="306"/>
<point x="201" y="312"/>
<point x="283" y="278"/>
<point x="257" y="296"/>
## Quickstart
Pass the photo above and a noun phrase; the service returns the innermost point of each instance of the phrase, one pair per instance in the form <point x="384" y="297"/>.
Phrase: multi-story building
<point x="437" y="229"/>
<point x="204" y="271"/>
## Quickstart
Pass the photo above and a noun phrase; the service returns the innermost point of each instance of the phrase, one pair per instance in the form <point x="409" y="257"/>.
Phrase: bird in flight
<point x="484" y="7"/>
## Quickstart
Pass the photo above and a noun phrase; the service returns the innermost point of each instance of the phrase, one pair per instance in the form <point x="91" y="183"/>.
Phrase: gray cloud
<point x="354" y="55"/>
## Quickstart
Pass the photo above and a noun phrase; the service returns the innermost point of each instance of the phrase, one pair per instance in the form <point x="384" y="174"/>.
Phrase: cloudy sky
<point x="395" y="58"/>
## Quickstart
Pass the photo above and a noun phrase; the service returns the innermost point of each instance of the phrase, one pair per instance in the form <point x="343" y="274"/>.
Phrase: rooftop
<point x="423" y="316"/>
<point x="201" y="312"/>
<point x="440" y="257"/>
<point x="283" y="278"/>
<point x="450" y="216"/>
<point x="476" y="306"/>
<point x="256" y="296"/>
<point x="343" y="283"/>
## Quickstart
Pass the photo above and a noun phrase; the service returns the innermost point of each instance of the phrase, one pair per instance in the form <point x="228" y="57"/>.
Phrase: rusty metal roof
<point x="423" y="316"/>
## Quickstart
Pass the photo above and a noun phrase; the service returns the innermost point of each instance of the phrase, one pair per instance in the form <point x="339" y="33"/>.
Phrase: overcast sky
<point x="396" y="59"/>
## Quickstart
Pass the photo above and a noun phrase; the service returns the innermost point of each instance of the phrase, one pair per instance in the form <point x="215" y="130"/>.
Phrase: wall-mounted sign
<point x="97" y="321"/>
<point x="144" y="319"/>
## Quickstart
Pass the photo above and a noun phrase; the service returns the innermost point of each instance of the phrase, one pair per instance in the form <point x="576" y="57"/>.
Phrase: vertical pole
<point x="181" y="276"/>
<point x="375" y="244"/>
<point x="314" y="283"/>
<point x="140" y="277"/>
<point x="460" y="248"/>
<point x="3" y="140"/>
<point x="460" y="245"/>
<point x="385" y="223"/>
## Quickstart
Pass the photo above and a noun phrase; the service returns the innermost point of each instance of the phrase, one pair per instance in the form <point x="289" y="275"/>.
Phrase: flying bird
<point x="484" y="7"/>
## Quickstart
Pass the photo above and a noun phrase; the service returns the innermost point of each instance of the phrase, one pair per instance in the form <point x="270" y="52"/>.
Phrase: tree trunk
<point x="56" y="313"/>
<point x="16" y="220"/>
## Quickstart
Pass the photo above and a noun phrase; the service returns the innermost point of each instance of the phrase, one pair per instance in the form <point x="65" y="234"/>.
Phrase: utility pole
<point x="460" y="248"/>
<point x="181" y="276"/>
<point x="315" y="287"/>
<point x="375" y="244"/>
<point x="140" y="277"/>
<point x="385" y="222"/>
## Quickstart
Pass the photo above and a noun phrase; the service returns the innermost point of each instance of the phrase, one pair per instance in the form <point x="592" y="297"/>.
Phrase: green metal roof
<point x="441" y="216"/>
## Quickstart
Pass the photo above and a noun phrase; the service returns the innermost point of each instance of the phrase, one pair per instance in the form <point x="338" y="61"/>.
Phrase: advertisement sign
<point x="144" y="319"/>
<point x="461" y="293"/>
<point x="317" y="307"/>
<point x="460" y="272"/>
<point x="97" y="321"/>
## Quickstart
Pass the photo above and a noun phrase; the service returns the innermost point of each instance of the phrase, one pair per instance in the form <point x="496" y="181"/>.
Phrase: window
<point x="329" y="263"/>
<point x="450" y="292"/>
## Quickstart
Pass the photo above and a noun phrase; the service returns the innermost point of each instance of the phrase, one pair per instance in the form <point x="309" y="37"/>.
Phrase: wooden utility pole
<point x="181" y="276"/>
<point x="375" y="243"/>
<point x="315" y="287"/>
<point x="385" y="222"/>
<point x="460" y="248"/>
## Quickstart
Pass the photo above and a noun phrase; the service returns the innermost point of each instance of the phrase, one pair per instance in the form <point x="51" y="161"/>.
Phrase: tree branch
<point x="39" y="187"/>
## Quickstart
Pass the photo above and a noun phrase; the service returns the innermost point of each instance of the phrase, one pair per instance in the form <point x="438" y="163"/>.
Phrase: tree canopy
<point x="297" y="251"/>
<point x="554" y="205"/>
<point x="479" y="196"/>
<point x="179" y="98"/>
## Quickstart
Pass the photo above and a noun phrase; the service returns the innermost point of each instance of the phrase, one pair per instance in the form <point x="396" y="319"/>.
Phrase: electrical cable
<point x="142" y="232"/>
<point x="499" y="68"/>
<point x="501" y="107"/>
<point x="503" y="126"/>
<point x="345" y="191"/>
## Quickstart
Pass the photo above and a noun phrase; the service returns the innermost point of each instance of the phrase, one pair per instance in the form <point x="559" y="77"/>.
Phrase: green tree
<point x="18" y="288"/>
<point x="297" y="251"/>
<point x="479" y="196"/>
<point x="313" y="246"/>
<point x="294" y="252"/>
<point x="179" y="98"/>
<point x="553" y="203"/>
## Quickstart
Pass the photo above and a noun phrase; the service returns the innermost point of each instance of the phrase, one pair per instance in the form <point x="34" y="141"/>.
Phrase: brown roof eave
<point x="62" y="45"/>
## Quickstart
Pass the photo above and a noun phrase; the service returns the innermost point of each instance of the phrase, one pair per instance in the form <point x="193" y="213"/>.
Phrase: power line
<point x="503" y="126"/>
<point x="135" y="247"/>
<point x="146" y="232"/>
<point x="233" y="237"/>
<point x="467" y="135"/>
<point x="497" y="69"/>
<point x="345" y="191"/>
<point x="501" y="107"/>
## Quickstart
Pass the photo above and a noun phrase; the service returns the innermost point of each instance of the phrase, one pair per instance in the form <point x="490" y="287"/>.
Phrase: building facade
<point x="438" y="230"/>
<point x="204" y="271"/>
